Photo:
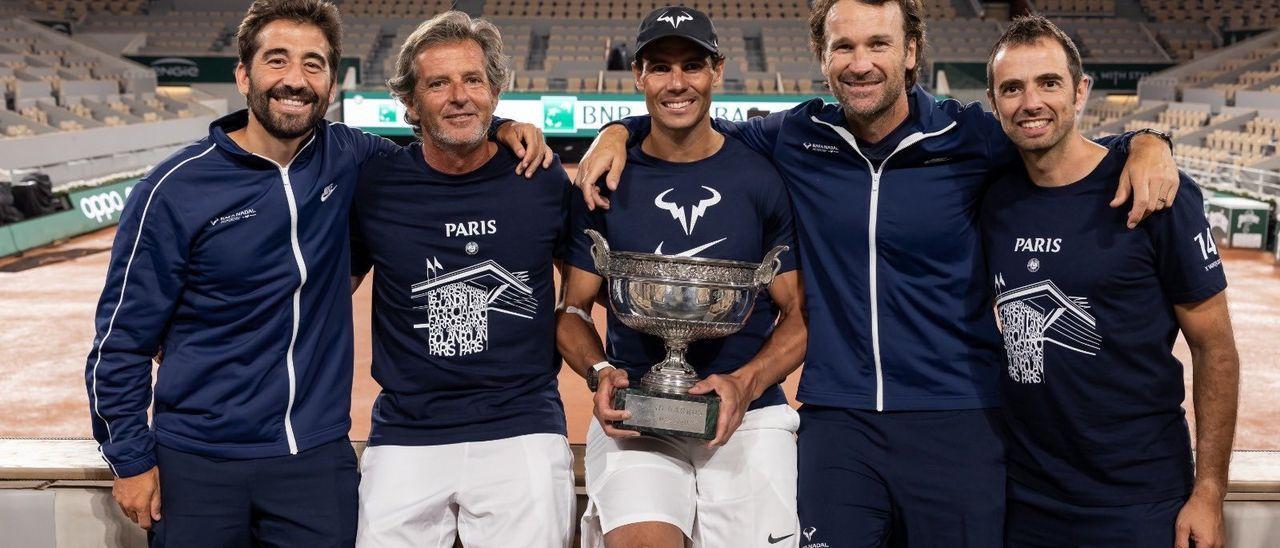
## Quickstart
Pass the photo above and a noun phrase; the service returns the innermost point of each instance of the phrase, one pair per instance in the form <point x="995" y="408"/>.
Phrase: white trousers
<point x="509" y="492"/>
<point x="741" y="495"/>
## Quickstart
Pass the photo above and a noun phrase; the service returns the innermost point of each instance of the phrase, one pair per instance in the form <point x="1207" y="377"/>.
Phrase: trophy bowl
<point x="680" y="299"/>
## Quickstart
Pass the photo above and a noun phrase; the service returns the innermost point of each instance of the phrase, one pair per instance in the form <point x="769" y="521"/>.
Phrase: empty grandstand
<point x="65" y="101"/>
<point x="1222" y="109"/>
<point x="566" y="46"/>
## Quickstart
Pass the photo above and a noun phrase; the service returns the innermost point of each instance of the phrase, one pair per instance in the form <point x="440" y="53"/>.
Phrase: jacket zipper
<point x="297" y="293"/>
<point x="872" y="254"/>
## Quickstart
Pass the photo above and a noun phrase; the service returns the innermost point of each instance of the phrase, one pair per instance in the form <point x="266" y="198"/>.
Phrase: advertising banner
<point x="205" y="69"/>
<point x="1239" y="222"/>
<point x="559" y="115"/>
<point x="91" y="209"/>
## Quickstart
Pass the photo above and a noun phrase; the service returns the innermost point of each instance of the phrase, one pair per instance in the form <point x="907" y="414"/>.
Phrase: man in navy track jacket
<point x="899" y="440"/>
<point x="232" y="255"/>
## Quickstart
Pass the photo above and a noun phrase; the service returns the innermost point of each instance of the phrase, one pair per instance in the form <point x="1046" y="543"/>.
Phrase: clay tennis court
<point x="47" y="301"/>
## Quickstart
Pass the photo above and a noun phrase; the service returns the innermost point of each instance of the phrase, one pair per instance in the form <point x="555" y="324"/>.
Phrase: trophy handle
<point x="769" y="267"/>
<point x="599" y="252"/>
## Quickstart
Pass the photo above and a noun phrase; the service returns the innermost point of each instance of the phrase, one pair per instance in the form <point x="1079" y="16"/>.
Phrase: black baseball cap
<point x="686" y="23"/>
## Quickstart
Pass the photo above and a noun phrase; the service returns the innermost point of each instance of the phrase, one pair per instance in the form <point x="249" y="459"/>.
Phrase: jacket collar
<point x="926" y="117"/>
<point x="220" y="128"/>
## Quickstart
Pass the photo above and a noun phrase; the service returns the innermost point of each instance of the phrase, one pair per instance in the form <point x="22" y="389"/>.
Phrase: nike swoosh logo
<point x="324" y="196"/>
<point x="779" y="539"/>
<point x="689" y="252"/>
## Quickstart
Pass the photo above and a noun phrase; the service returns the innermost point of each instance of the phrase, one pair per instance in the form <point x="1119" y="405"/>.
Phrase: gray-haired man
<point x="468" y="436"/>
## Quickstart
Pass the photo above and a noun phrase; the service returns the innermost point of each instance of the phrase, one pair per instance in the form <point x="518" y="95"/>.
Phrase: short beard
<point x="444" y="141"/>
<point x="283" y="126"/>
<point x="893" y="89"/>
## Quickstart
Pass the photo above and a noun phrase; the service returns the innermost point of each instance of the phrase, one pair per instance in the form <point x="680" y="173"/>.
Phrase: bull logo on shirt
<point x="458" y="304"/>
<point x="1037" y="314"/>
<point x="688" y="220"/>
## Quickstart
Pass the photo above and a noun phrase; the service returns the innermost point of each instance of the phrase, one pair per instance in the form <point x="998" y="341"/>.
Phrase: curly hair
<point x="448" y="27"/>
<point x="314" y="12"/>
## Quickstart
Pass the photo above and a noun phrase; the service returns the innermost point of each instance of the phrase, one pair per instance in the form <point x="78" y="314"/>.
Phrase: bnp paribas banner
<point x="560" y="115"/>
<point x="204" y="69"/>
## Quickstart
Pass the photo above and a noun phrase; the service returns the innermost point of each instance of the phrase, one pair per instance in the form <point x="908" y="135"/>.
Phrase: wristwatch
<point x="593" y="375"/>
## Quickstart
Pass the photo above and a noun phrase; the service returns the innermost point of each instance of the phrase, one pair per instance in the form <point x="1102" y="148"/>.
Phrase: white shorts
<point x="509" y="492"/>
<point x="741" y="494"/>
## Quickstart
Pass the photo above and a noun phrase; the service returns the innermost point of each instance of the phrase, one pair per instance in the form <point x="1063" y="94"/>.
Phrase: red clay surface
<point x="46" y="330"/>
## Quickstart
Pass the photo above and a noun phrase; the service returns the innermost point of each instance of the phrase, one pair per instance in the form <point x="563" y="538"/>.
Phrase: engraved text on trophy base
<point x="667" y="414"/>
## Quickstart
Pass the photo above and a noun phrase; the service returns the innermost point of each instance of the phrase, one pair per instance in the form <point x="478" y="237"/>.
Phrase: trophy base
<point x="654" y="412"/>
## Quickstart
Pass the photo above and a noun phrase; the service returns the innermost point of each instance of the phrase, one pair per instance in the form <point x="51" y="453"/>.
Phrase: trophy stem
<point x="672" y="375"/>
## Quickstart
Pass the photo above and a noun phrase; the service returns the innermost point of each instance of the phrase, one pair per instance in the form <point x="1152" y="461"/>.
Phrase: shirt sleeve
<point x="578" y="252"/>
<point x="1187" y="260"/>
<point x="145" y="277"/>
<point x="365" y="145"/>
<point x="361" y="259"/>
<point x="495" y="123"/>
<point x="1003" y="155"/>
<point x="759" y="134"/>
<point x="1117" y="142"/>
<point x="637" y="128"/>
<point x="779" y="223"/>
<point x="567" y="192"/>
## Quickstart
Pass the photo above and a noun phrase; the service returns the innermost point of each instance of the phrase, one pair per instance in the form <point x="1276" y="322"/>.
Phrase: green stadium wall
<point x="91" y="209"/>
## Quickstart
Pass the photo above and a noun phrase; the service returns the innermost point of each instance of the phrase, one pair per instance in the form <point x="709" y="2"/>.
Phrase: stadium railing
<point x="57" y="492"/>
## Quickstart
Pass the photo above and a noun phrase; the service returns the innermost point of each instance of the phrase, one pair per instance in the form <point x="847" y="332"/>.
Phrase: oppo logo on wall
<point x="103" y="206"/>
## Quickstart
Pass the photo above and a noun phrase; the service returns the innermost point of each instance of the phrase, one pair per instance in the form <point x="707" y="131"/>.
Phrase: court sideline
<point x="46" y="331"/>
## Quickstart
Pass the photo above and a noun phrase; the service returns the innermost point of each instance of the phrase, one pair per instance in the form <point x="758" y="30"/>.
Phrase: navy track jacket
<point x="897" y="297"/>
<point x="239" y="269"/>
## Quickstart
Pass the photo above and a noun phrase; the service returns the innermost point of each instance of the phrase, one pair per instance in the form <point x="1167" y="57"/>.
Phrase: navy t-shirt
<point x="731" y="205"/>
<point x="463" y="297"/>
<point x="1091" y="391"/>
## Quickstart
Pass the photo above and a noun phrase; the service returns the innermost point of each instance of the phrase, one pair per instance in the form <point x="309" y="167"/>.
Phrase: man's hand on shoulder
<point x="527" y="141"/>
<point x="608" y="154"/>
<point x="1150" y="178"/>
<point x="139" y="497"/>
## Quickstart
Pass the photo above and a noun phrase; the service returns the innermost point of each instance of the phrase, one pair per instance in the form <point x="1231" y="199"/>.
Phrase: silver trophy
<point x="680" y="299"/>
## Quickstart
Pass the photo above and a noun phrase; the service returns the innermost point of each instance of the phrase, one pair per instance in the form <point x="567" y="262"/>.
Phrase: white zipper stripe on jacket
<point x="124" y="282"/>
<point x="871" y="235"/>
<point x="297" y="293"/>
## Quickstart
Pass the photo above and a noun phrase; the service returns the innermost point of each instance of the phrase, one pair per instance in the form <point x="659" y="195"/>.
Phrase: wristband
<point x="586" y="317"/>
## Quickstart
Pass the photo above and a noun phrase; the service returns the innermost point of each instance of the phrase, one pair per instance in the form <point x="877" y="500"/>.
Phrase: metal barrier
<point x="1255" y="183"/>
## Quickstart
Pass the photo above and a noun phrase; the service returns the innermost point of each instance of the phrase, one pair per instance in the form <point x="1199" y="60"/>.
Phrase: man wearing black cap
<point x="690" y="192"/>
